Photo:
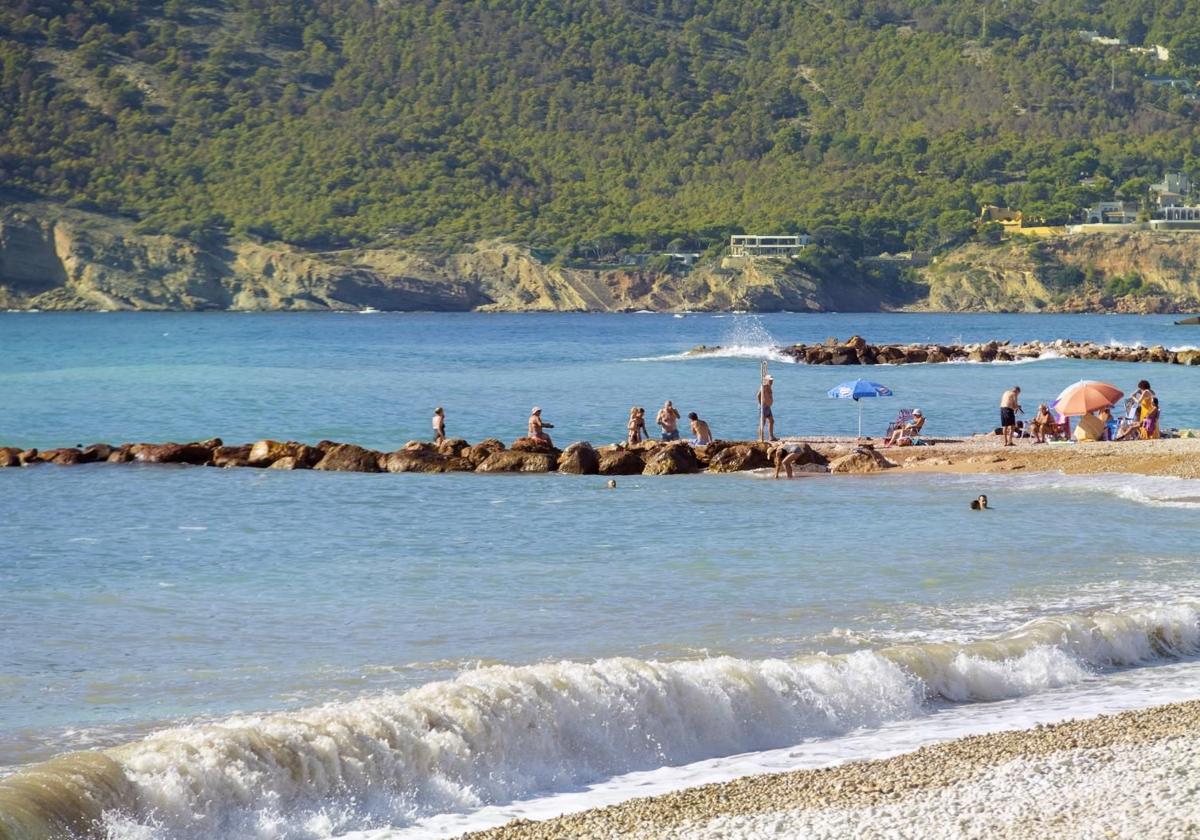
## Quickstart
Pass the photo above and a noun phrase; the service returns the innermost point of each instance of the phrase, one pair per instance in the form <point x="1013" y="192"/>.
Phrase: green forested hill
<point x="588" y="125"/>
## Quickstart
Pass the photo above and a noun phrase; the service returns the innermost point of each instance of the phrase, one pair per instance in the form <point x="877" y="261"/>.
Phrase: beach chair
<point x="902" y="420"/>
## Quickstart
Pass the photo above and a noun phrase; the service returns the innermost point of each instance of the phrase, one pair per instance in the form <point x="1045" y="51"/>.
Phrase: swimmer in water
<point x="980" y="503"/>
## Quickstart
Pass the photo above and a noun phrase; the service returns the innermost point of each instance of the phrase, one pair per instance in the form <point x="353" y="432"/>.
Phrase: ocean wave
<point x="737" y="351"/>
<point x="1153" y="491"/>
<point x="500" y="733"/>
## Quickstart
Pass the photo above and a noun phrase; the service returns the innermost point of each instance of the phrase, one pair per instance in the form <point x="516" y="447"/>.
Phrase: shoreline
<point x="1142" y="766"/>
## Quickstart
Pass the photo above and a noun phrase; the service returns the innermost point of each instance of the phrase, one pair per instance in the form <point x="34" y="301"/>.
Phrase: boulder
<point x="419" y="446"/>
<point x="66" y="457"/>
<point x="287" y="462"/>
<point x="453" y="446"/>
<point x="1188" y="357"/>
<point x="915" y="355"/>
<point x="618" y="461"/>
<point x="739" y="457"/>
<point x="28" y="456"/>
<point x="10" y="456"/>
<point x="264" y="453"/>
<point x="675" y="458"/>
<point x="938" y="356"/>
<point x="857" y="342"/>
<point x="424" y="461"/>
<point x="96" y="452"/>
<point x="528" y="444"/>
<point x="579" y="459"/>
<point x="479" y="453"/>
<point x="172" y="453"/>
<point x="121" y="455"/>
<point x="843" y="356"/>
<point x="515" y="460"/>
<point x="228" y="457"/>
<point x="347" y="457"/>
<point x="861" y="460"/>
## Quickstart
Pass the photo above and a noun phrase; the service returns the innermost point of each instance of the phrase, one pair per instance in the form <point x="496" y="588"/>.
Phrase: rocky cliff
<point x="1133" y="271"/>
<point x="52" y="257"/>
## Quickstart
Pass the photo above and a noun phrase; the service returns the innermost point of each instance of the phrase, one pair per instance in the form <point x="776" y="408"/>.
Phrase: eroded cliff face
<point x="1080" y="273"/>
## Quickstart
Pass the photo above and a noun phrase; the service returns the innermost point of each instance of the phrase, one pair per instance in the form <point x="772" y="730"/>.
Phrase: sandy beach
<point x="1125" y="775"/>
<point x="1179" y="457"/>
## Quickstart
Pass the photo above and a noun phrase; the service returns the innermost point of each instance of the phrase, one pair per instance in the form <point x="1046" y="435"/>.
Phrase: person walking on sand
<point x="537" y="427"/>
<point x="1009" y="408"/>
<point x="701" y="434"/>
<point x="766" y="398"/>
<point x="439" y="425"/>
<point x="668" y="420"/>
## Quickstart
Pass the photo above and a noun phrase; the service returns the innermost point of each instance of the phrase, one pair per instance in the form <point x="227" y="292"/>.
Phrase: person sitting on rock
<point x="701" y="433"/>
<point x="537" y="427"/>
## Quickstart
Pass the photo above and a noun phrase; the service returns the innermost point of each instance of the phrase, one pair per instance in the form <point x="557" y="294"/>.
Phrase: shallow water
<point x="425" y="645"/>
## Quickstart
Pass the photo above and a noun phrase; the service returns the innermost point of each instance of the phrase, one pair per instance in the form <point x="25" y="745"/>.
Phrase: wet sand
<point x="1126" y="775"/>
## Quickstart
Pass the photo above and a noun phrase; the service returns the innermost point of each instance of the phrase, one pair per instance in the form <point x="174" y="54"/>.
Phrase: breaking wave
<point x="501" y="733"/>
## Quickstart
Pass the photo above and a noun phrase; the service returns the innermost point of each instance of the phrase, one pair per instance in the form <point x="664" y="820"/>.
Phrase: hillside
<point x="586" y="126"/>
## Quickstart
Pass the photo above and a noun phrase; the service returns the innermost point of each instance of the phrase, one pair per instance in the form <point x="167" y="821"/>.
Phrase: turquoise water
<point x="436" y="644"/>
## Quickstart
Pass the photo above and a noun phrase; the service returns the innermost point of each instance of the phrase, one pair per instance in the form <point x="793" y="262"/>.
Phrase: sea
<point x="198" y="653"/>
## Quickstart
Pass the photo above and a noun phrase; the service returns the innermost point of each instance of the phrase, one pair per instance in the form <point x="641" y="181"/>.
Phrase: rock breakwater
<point x="453" y="455"/>
<point x="858" y="351"/>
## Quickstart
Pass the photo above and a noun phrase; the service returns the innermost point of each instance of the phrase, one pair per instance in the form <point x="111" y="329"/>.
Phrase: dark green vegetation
<point x="585" y="126"/>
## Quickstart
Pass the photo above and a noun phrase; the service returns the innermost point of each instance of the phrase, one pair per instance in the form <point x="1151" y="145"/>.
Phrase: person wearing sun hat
<point x="766" y="398"/>
<point x="536" y="426"/>
<point x="911" y="428"/>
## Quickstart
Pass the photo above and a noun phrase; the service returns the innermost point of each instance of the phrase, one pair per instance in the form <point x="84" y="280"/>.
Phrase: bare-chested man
<point x="766" y="398"/>
<point x="668" y="420"/>
<point x="701" y="434"/>
<point x="1009" y="407"/>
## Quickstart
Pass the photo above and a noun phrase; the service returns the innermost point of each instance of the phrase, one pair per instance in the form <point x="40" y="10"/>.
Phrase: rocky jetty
<point x="524" y="455"/>
<point x="858" y="351"/>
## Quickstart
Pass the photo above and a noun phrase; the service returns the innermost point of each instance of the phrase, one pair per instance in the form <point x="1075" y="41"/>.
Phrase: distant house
<point x="1169" y="81"/>
<point x="1172" y="210"/>
<point x="767" y="246"/>
<point x="1001" y="215"/>
<point x="682" y="258"/>
<point x="1096" y="38"/>
<point x="1159" y="52"/>
<point x="1111" y="213"/>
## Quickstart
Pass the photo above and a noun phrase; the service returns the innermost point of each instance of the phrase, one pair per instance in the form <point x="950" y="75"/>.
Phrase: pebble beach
<point x="1130" y="774"/>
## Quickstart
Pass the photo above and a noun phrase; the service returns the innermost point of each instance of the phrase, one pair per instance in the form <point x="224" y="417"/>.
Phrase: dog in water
<point x="979" y="504"/>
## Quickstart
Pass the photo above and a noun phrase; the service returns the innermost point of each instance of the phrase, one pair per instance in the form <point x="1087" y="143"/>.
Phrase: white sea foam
<point x="502" y="733"/>
<point x="1154" y="491"/>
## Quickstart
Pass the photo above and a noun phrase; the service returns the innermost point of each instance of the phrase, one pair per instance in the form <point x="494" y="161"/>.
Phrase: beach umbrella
<point x="857" y="390"/>
<point x="1086" y="395"/>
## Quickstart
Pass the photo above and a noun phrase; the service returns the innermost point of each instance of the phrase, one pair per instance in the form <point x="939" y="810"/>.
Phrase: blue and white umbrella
<point x="857" y="390"/>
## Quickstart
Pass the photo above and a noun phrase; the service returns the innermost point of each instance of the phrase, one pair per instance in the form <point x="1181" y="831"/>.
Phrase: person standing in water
<point x="439" y="425"/>
<point x="766" y="398"/>
<point x="668" y="420"/>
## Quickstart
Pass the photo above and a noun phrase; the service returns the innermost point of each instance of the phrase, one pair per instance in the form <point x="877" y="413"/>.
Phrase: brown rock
<point x="266" y="452"/>
<point x="424" y="461"/>
<point x="287" y="462"/>
<point x="66" y="457"/>
<point x="419" y="446"/>
<point x="915" y="355"/>
<point x="936" y="355"/>
<point x="227" y="457"/>
<point x="514" y="460"/>
<point x="28" y="456"/>
<point x="617" y="461"/>
<point x="579" y="459"/>
<point x="857" y="342"/>
<point x="453" y="446"/>
<point x="171" y="453"/>
<point x="1188" y="357"/>
<point x="347" y="457"/>
<point x="10" y="456"/>
<point x="861" y="460"/>
<point x="843" y="356"/>
<point x="479" y="453"/>
<point x="672" y="459"/>
<point x="121" y="455"/>
<point x="96" y="452"/>
<point x="739" y="457"/>
<point x="528" y="444"/>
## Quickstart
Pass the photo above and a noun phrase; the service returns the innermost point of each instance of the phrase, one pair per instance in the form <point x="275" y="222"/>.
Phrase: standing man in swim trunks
<point x="1009" y="406"/>
<point x="766" y="398"/>
<point x="439" y="425"/>
<point x="668" y="421"/>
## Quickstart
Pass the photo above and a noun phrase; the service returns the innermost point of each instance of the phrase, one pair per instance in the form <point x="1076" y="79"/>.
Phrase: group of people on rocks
<point x="1139" y="421"/>
<point x="667" y="420"/>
